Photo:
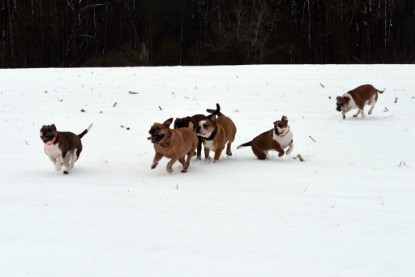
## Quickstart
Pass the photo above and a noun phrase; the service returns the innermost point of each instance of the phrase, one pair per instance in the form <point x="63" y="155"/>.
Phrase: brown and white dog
<point x="174" y="144"/>
<point x="216" y="130"/>
<point x="62" y="148"/>
<point x="357" y="99"/>
<point x="276" y="139"/>
<point x="184" y="123"/>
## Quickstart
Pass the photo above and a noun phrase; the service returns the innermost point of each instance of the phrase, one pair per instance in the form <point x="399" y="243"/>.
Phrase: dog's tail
<point x="215" y="112"/>
<point x="381" y="91"/>
<point x="86" y="130"/>
<point x="244" y="145"/>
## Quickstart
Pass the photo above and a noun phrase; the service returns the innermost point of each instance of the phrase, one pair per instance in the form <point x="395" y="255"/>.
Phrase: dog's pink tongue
<point x="150" y="138"/>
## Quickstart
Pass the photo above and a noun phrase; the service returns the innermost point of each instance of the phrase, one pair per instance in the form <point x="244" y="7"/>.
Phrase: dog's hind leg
<point x="260" y="154"/>
<point x="74" y="158"/>
<point x="290" y="149"/>
<point x="228" y="149"/>
<point x="357" y="114"/>
<point x="67" y="163"/>
<point x="372" y="104"/>
<point x="170" y="164"/>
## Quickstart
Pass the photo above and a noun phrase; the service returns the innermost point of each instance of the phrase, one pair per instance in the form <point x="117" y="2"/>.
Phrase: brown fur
<point x="222" y="130"/>
<point x="184" y="123"/>
<point x="173" y="144"/>
<point x="361" y="96"/>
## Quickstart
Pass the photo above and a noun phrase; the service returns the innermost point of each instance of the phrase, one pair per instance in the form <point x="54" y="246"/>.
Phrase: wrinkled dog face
<point x="280" y="126"/>
<point x="341" y="103"/>
<point x="206" y="127"/>
<point x="159" y="131"/>
<point x="48" y="133"/>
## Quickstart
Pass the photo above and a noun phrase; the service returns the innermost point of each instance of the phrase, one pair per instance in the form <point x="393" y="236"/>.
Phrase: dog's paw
<point x="289" y="151"/>
<point x="65" y="172"/>
<point x="153" y="166"/>
<point x="280" y="154"/>
<point x="169" y="170"/>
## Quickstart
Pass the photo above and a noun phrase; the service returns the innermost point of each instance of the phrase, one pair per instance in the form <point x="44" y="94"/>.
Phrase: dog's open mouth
<point x="156" y="138"/>
<point x="46" y="138"/>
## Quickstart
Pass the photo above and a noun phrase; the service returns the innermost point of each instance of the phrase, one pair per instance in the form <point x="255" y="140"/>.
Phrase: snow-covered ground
<point x="347" y="210"/>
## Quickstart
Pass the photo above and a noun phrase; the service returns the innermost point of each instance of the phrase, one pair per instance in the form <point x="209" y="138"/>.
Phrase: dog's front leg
<point x="199" y="148"/>
<point x="56" y="163"/>
<point x="207" y="151"/>
<point x="156" y="159"/>
<point x="218" y="152"/>
<point x="345" y="111"/>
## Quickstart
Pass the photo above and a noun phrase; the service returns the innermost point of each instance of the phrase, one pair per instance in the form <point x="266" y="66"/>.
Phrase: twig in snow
<point x="160" y="108"/>
<point x="402" y="163"/>
<point x="299" y="157"/>
<point x="396" y="100"/>
<point x="115" y="104"/>
<point x="386" y="110"/>
<point x="322" y="85"/>
<point x="133" y="92"/>
<point x="312" y="138"/>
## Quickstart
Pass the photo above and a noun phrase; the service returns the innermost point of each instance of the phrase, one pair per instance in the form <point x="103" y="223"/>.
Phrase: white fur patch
<point x="284" y="141"/>
<point x="209" y="144"/>
<point x="53" y="151"/>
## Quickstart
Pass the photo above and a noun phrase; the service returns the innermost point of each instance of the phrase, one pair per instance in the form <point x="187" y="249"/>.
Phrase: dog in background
<point x="173" y="144"/>
<point x="357" y="99"/>
<point x="216" y="130"/>
<point x="184" y="123"/>
<point x="62" y="148"/>
<point x="276" y="139"/>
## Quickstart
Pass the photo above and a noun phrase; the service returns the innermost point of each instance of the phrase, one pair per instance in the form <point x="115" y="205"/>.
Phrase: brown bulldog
<point x="216" y="131"/>
<point x="357" y="99"/>
<point x="184" y="123"/>
<point x="62" y="148"/>
<point x="276" y="139"/>
<point x="174" y="144"/>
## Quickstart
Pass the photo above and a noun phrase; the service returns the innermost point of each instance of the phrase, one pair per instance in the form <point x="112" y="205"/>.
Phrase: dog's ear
<point x="284" y="118"/>
<point x="54" y="127"/>
<point x="168" y="122"/>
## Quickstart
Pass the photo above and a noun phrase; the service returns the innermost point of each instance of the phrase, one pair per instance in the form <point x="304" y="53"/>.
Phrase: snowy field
<point x="347" y="210"/>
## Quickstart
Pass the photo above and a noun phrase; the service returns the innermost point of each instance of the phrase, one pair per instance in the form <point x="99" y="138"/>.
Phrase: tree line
<point x="69" y="33"/>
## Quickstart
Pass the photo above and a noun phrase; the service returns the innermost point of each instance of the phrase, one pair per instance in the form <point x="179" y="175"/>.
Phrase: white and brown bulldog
<point x="276" y="139"/>
<point x="174" y="144"/>
<point x="62" y="148"/>
<point x="357" y="99"/>
<point x="216" y="130"/>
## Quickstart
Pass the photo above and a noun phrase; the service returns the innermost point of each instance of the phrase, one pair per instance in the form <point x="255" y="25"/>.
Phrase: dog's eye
<point x="205" y="126"/>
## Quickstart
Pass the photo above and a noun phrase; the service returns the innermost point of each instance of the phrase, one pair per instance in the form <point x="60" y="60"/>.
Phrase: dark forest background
<point x="68" y="33"/>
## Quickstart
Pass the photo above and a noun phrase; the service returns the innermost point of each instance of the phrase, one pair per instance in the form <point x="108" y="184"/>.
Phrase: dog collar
<point x="212" y="136"/>
<point x="285" y="133"/>
<point x="53" y="140"/>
